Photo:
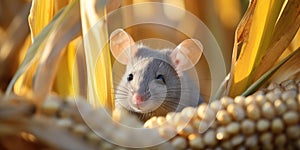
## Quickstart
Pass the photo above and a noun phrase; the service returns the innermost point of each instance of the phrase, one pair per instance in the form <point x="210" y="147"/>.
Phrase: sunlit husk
<point x="261" y="38"/>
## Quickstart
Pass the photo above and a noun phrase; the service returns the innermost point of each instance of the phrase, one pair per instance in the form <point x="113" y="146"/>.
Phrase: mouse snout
<point x="138" y="99"/>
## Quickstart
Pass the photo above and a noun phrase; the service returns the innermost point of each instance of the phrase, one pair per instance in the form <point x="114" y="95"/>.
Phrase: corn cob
<point x="268" y="119"/>
<point x="70" y="120"/>
<point x="82" y="120"/>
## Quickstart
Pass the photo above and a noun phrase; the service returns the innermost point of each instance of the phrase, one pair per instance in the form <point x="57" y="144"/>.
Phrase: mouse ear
<point x="186" y="54"/>
<point x="121" y="46"/>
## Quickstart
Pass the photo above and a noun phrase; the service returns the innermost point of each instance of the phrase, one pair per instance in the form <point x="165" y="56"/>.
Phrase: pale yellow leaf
<point x="40" y="15"/>
<point x="66" y="80"/>
<point x="66" y="28"/>
<point x="290" y="68"/>
<point x="283" y="34"/>
<point x="281" y="70"/>
<point x="98" y="60"/>
<point x="256" y="40"/>
<point x="42" y="12"/>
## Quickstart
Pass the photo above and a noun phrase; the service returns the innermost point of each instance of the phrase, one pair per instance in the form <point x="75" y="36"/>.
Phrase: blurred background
<point x="220" y="16"/>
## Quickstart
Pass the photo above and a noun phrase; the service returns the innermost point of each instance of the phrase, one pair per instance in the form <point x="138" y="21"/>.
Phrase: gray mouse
<point x="155" y="81"/>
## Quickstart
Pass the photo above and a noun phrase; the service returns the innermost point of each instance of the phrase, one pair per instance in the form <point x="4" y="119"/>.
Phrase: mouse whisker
<point x="168" y="108"/>
<point x="147" y="116"/>
<point x="122" y="94"/>
<point x="163" y="99"/>
<point x="123" y="87"/>
<point x="163" y="107"/>
<point x="123" y="98"/>
<point x="159" y="106"/>
<point x="176" y="103"/>
<point x="170" y="101"/>
<point x="184" y="105"/>
<point x="121" y="91"/>
<point x="120" y="100"/>
<point x="169" y="105"/>
<point x="175" y="106"/>
<point x="142" y="116"/>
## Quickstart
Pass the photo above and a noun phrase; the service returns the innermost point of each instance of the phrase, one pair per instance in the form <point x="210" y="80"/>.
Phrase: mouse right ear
<point x="187" y="54"/>
<point x="122" y="46"/>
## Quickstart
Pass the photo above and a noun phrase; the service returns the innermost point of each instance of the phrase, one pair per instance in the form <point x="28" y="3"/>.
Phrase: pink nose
<point x="137" y="98"/>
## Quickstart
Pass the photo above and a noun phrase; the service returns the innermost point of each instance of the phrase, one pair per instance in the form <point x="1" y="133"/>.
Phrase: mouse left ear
<point x="186" y="54"/>
<point x="122" y="46"/>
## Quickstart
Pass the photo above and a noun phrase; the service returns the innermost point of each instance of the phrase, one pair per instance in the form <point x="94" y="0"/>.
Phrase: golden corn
<point x="267" y="119"/>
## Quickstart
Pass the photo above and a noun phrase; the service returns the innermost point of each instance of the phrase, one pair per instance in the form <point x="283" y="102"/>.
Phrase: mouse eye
<point x="160" y="77"/>
<point x="130" y="77"/>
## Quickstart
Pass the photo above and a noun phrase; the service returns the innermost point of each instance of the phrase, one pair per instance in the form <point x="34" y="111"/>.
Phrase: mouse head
<point x="183" y="57"/>
<point x="152" y="84"/>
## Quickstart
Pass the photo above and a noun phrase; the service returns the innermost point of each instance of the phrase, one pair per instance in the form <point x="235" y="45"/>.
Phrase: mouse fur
<point x="153" y="84"/>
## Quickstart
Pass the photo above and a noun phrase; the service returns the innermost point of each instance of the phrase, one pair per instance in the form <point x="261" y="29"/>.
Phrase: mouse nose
<point x="138" y="99"/>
